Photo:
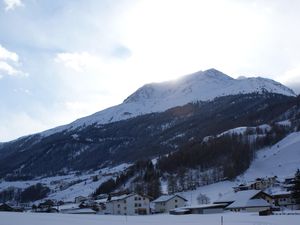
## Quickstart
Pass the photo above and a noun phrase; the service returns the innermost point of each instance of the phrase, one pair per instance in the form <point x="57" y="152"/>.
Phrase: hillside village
<point x="263" y="195"/>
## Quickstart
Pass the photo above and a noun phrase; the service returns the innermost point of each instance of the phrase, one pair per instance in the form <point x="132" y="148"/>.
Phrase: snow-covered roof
<point x="68" y="206"/>
<point x="103" y="200"/>
<point x="124" y="196"/>
<point x="204" y="206"/>
<point x="241" y="195"/>
<point x="281" y="193"/>
<point x="248" y="203"/>
<point x="120" y="197"/>
<point x="165" y="198"/>
<point x="79" y="211"/>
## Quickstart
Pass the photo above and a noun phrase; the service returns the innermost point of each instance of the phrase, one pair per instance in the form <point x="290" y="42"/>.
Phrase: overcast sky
<point x="64" y="59"/>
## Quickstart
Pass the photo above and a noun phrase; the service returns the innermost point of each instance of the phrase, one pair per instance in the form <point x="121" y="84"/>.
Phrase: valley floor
<point x="212" y="219"/>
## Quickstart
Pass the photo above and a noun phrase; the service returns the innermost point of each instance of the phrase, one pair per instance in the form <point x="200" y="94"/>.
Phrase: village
<point x="252" y="197"/>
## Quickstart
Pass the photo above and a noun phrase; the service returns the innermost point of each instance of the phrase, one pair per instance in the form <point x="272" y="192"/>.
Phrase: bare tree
<point x="203" y="199"/>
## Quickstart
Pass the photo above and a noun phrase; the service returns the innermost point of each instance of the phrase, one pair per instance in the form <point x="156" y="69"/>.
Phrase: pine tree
<point x="296" y="187"/>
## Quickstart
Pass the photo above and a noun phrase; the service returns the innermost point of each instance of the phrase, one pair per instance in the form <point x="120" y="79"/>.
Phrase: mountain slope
<point x="144" y="136"/>
<point x="282" y="159"/>
<point x="158" y="97"/>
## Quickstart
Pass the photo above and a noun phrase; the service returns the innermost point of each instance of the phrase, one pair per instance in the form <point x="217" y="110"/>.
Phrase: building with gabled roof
<point x="249" y="201"/>
<point x="128" y="204"/>
<point x="165" y="203"/>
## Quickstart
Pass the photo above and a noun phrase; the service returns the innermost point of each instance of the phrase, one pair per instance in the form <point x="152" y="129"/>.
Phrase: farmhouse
<point x="284" y="199"/>
<point x="80" y="199"/>
<point x="6" y="208"/>
<point x="199" y="209"/>
<point x="249" y="201"/>
<point x="258" y="184"/>
<point x="128" y="204"/>
<point x="165" y="203"/>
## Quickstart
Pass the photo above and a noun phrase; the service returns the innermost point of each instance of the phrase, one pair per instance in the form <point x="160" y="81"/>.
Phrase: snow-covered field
<point x="210" y="219"/>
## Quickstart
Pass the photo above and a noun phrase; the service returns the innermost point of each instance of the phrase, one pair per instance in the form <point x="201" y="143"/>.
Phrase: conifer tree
<point x="296" y="187"/>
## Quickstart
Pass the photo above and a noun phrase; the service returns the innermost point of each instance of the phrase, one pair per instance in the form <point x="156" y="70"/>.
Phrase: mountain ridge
<point x="158" y="97"/>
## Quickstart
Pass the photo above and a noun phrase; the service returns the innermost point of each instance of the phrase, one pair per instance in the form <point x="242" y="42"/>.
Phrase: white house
<point x="165" y="203"/>
<point x="199" y="209"/>
<point x="80" y="199"/>
<point x="247" y="201"/>
<point x="284" y="199"/>
<point x="128" y="204"/>
<point x="249" y="205"/>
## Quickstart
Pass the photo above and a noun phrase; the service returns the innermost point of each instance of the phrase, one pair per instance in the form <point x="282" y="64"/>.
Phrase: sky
<point x="64" y="59"/>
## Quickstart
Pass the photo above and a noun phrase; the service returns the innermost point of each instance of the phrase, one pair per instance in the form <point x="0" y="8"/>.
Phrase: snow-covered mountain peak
<point x="188" y="82"/>
<point x="199" y="86"/>
<point x="213" y="74"/>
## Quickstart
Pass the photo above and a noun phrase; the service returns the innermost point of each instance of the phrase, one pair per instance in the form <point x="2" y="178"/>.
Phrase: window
<point x="124" y="201"/>
<point x="140" y="198"/>
<point x="125" y="208"/>
<point x="176" y="206"/>
<point x="118" y="205"/>
<point x="135" y="198"/>
<point x="176" y="200"/>
<point x="135" y="205"/>
<point x="140" y="204"/>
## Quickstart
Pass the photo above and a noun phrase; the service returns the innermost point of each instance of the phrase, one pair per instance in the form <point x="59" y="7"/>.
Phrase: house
<point x="258" y="184"/>
<point x="80" y="199"/>
<point x="248" y="201"/>
<point x="47" y="207"/>
<point x="199" y="209"/>
<point x="6" y="208"/>
<point x="128" y="204"/>
<point x="165" y="203"/>
<point x="249" y="205"/>
<point x="284" y="199"/>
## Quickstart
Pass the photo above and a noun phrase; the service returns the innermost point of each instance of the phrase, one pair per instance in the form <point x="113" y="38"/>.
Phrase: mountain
<point x="147" y="136"/>
<point x="155" y="120"/>
<point x="158" y="97"/>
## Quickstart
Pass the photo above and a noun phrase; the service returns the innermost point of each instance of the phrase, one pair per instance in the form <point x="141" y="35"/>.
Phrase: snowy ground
<point x="211" y="219"/>
<point x="282" y="159"/>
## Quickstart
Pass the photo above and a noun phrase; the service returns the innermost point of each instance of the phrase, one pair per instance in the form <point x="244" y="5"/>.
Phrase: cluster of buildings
<point x="246" y="197"/>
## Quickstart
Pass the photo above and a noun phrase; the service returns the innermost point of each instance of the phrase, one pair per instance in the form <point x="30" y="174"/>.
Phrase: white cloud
<point x="5" y="67"/>
<point x="9" y="61"/>
<point x="8" y="55"/>
<point x="291" y="78"/>
<point x="78" y="61"/>
<point x="17" y="124"/>
<point x="12" y="4"/>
